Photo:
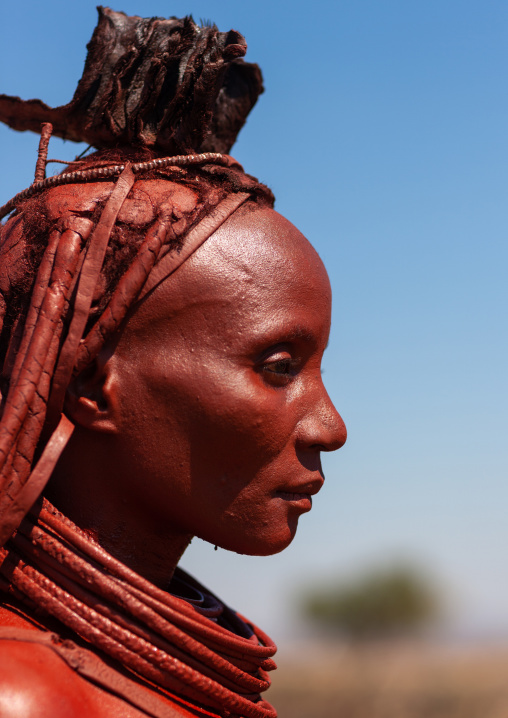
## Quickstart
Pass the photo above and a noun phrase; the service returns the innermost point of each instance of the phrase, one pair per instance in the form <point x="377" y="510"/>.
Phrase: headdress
<point x="175" y="95"/>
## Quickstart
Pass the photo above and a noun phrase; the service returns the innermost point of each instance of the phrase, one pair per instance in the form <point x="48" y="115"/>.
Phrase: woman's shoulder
<point x="37" y="681"/>
<point x="34" y="682"/>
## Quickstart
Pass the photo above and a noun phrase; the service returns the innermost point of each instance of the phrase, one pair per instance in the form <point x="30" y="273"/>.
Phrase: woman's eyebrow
<point x="287" y="332"/>
<point x="290" y="333"/>
<point x="303" y="332"/>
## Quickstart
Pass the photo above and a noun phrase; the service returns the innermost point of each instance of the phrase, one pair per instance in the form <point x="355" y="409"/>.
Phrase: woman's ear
<point x="90" y="400"/>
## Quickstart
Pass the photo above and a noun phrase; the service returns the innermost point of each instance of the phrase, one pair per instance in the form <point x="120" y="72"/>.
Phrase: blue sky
<point x="383" y="133"/>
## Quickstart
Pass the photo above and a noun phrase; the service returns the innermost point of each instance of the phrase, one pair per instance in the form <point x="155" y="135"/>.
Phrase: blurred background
<point x="383" y="133"/>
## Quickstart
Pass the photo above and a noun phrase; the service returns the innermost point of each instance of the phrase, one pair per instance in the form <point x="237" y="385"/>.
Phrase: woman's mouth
<point x="303" y="501"/>
<point x="302" y="498"/>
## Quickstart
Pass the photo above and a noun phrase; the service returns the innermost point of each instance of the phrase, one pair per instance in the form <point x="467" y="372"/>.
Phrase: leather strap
<point x="89" y="275"/>
<point x="20" y="504"/>
<point x="193" y="240"/>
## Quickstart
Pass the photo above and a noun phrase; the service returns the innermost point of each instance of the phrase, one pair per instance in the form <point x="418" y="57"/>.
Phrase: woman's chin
<point x="261" y="544"/>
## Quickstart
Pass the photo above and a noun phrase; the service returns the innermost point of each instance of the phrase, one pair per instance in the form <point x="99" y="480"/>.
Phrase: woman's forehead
<point x="256" y="261"/>
<point x="259" y="244"/>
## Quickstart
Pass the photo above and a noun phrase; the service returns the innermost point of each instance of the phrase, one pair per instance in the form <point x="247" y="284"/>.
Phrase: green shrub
<point x="381" y="603"/>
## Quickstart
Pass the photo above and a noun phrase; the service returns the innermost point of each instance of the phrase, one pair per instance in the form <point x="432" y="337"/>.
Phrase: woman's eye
<point x="281" y="366"/>
<point x="279" y="371"/>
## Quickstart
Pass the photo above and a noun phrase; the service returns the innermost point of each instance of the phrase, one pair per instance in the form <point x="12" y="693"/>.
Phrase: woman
<point x="162" y="335"/>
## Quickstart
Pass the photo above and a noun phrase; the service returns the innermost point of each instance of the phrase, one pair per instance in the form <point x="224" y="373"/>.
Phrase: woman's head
<point x="207" y="380"/>
<point x="209" y="384"/>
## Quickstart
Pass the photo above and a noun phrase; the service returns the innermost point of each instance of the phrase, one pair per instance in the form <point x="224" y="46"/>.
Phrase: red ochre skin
<point x="36" y="683"/>
<point x="206" y="417"/>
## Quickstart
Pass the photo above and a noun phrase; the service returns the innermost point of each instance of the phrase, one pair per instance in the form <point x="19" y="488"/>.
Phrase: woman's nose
<point x="322" y="428"/>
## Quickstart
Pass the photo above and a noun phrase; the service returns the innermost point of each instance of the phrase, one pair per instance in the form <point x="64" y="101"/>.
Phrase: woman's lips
<point x="304" y="488"/>
<point x="293" y="497"/>
<point x="300" y="500"/>
<point x="300" y="495"/>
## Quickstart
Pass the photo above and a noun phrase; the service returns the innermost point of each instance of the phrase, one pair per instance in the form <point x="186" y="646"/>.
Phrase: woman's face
<point x="221" y="413"/>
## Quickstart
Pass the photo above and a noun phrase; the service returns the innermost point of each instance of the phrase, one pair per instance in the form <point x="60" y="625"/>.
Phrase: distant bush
<point x="381" y="603"/>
